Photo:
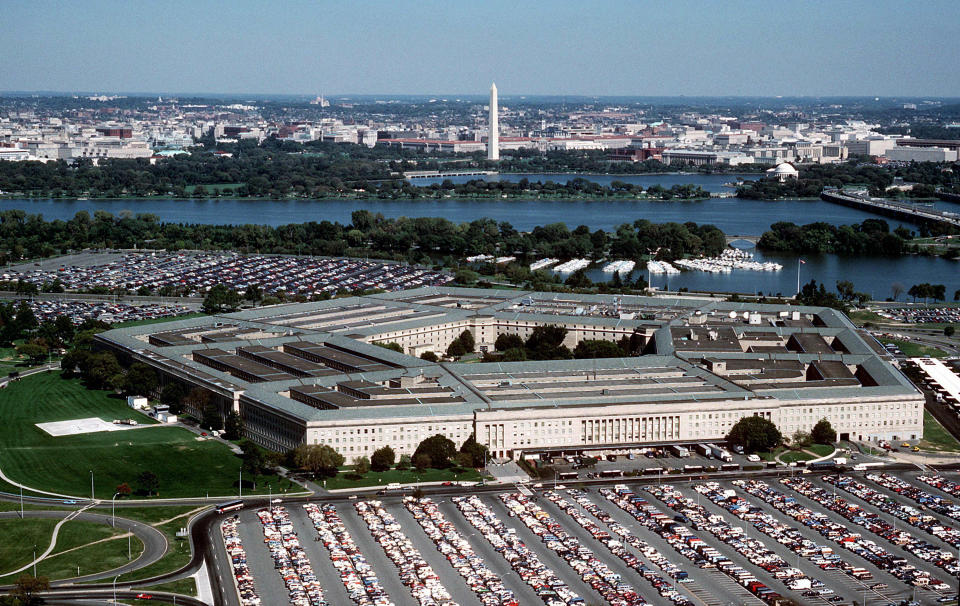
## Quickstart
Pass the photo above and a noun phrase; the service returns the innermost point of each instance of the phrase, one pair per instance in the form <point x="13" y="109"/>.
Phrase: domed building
<point x="783" y="171"/>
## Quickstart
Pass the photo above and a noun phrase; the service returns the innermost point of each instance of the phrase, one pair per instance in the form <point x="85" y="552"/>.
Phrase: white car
<point x="753" y="458"/>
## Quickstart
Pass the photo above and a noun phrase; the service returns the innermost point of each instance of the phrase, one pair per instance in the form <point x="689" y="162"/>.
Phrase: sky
<point x="642" y="48"/>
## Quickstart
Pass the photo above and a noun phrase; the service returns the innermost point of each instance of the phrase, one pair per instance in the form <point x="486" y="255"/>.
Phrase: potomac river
<point x="735" y="217"/>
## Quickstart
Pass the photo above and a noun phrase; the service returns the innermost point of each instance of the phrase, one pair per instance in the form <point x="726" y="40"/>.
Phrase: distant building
<point x="122" y="132"/>
<point x="783" y="172"/>
<point x="921" y="154"/>
<point x="703" y="158"/>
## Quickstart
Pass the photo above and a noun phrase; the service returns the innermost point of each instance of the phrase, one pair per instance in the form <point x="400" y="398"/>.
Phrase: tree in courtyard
<point x="429" y="356"/>
<point x="754" y="434"/>
<point x="475" y="450"/>
<point x="597" y="348"/>
<point x="382" y="459"/>
<point x="546" y="343"/>
<point x="800" y="439"/>
<point x="361" y="465"/>
<point x="439" y="448"/>
<point x="147" y="482"/>
<point x="233" y="426"/>
<point x="466" y="338"/>
<point x="508" y="340"/>
<point x="319" y="459"/>
<point x="823" y="432"/>
<point x="140" y="379"/>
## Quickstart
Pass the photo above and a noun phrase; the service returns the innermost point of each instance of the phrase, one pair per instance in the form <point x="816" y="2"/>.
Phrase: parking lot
<point x="876" y="538"/>
<point x="192" y="274"/>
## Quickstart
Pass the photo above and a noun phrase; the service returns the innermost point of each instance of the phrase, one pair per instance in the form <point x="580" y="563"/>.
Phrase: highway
<point x="154" y="541"/>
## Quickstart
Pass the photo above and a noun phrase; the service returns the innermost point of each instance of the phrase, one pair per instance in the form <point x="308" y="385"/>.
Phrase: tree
<point x="896" y="289"/>
<point x="211" y="418"/>
<point x="32" y="350"/>
<point x="429" y="356"/>
<point x="800" y="439"/>
<point x="439" y="448"/>
<point x="392" y="346"/>
<point x="147" y="482"/>
<point x="253" y="293"/>
<point x="382" y="459"/>
<point x="140" y="379"/>
<point x="404" y="463"/>
<point x="578" y="279"/>
<point x="101" y="369"/>
<point x="455" y="349"/>
<point x="508" y="340"/>
<point x="233" y="426"/>
<point x="26" y="589"/>
<point x="823" y="432"/>
<point x="546" y="343"/>
<point x="422" y="461"/>
<point x="124" y="490"/>
<point x="361" y="465"/>
<point x="597" y="348"/>
<point x="319" y="459"/>
<point x="172" y="395"/>
<point x="475" y="450"/>
<point x="754" y="434"/>
<point x="469" y="343"/>
<point x="254" y="460"/>
<point x="948" y="331"/>
<point x="220" y="299"/>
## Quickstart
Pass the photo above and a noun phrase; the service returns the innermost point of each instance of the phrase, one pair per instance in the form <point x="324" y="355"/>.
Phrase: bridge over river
<point x="749" y="239"/>
<point x="890" y="208"/>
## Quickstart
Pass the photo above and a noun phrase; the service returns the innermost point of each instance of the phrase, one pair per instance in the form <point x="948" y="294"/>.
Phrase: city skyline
<point x="599" y="49"/>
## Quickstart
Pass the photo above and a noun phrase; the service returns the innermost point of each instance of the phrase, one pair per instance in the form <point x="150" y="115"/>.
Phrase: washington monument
<point x="493" y="141"/>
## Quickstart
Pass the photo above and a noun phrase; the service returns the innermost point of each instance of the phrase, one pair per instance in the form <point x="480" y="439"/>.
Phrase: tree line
<point x="871" y="237"/>
<point x="417" y="240"/>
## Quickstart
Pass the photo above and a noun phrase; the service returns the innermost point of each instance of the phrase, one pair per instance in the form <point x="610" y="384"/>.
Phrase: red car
<point x="144" y="596"/>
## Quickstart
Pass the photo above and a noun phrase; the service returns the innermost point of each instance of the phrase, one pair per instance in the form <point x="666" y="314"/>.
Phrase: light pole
<point x="113" y="510"/>
<point x="92" y="497"/>
<point x="21" y="502"/>
<point x="34" y="561"/>
<point x="240" y="485"/>
<point x="115" y="587"/>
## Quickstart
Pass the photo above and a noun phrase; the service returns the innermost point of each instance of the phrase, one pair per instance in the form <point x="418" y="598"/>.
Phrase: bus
<point x="568" y="475"/>
<point x="611" y="473"/>
<point x="229" y="506"/>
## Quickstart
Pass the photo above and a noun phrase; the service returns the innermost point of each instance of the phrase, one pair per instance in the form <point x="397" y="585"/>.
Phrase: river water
<point x="733" y="216"/>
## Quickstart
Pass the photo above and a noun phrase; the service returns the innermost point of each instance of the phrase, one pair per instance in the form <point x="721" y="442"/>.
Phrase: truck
<point x="720" y="453"/>
<point x="680" y="451"/>
<point x="703" y="449"/>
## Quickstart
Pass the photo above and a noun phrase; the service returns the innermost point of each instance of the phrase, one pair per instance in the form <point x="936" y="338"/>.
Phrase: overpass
<point x="890" y="208"/>
<point x="751" y="239"/>
<point x="426" y="174"/>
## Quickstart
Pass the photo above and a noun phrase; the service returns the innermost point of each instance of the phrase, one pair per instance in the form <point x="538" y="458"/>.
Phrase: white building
<point x="921" y="154"/>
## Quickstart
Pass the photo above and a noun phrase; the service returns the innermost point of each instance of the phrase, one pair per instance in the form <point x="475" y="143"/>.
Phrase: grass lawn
<point x="186" y="586"/>
<point x="936" y="437"/>
<point x="770" y="455"/>
<point x="20" y="536"/>
<point x="822" y="450"/>
<point x="915" y="350"/>
<point x="99" y="557"/>
<point x="408" y="476"/>
<point x="796" y="455"/>
<point x="177" y="556"/>
<point x="184" y="464"/>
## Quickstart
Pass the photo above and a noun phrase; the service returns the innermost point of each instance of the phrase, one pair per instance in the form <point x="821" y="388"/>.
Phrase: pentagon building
<point x="313" y="372"/>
